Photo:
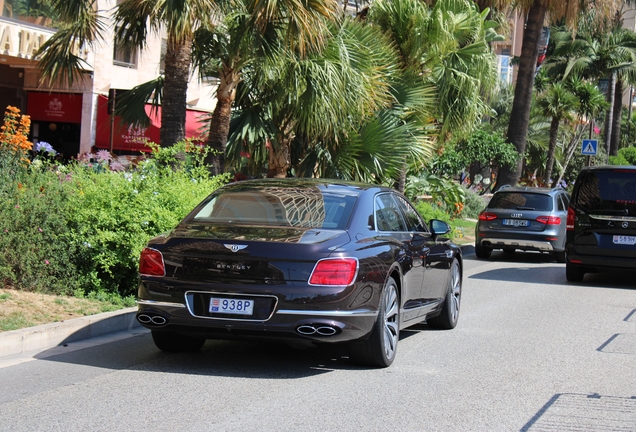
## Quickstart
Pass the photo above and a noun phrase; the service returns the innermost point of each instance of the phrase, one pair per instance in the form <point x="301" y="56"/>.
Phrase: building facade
<point x="75" y="120"/>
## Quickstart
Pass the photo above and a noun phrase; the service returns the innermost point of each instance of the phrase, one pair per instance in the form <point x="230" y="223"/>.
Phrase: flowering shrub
<point x="79" y="228"/>
<point x="14" y="133"/>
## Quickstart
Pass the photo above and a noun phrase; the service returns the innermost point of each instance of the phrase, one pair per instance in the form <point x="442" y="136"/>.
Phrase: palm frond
<point x="131" y="105"/>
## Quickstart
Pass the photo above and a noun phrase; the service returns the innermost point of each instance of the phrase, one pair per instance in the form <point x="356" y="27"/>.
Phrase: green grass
<point x="5" y="296"/>
<point x="14" y="322"/>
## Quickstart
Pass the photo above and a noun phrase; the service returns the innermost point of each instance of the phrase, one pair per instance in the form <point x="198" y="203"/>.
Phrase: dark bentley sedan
<point x="300" y="260"/>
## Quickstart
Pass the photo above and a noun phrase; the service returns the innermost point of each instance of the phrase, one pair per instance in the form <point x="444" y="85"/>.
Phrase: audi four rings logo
<point x="235" y="248"/>
<point x="625" y="225"/>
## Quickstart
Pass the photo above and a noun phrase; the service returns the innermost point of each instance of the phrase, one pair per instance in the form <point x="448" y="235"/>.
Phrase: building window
<point x="505" y="68"/>
<point x="124" y="56"/>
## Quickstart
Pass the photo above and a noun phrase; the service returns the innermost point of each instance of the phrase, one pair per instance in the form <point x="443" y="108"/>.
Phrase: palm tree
<point x="610" y="55"/>
<point x="558" y="103"/>
<point x="447" y="46"/>
<point x="591" y="103"/>
<point x="252" y="31"/>
<point x="311" y="105"/>
<point x="536" y="12"/>
<point x="461" y="63"/>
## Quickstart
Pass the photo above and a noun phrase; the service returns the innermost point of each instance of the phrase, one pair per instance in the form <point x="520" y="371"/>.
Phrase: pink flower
<point x="597" y="130"/>
<point x="17" y="206"/>
<point x="46" y="262"/>
<point x="40" y="229"/>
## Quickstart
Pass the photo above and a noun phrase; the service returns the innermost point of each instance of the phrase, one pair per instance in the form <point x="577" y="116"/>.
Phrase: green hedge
<point x="79" y="228"/>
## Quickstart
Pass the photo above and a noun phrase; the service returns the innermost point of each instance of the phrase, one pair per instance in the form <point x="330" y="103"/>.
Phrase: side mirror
<point x="439" y="227"/>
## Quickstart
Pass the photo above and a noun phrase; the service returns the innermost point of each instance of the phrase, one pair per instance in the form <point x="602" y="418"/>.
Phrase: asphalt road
<point x="531" y="352"/>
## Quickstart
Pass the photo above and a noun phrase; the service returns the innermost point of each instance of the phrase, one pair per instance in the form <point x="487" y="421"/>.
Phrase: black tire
<point x="447" y="319"/>
<point x="559" y="257"/>
<point x="573" y="273"/>
<point x="379" y="349"/>
<point x="482" y="252"/>
<point x="173" y="342"/>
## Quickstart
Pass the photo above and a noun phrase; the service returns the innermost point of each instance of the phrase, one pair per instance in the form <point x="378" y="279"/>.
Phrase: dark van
<point x="601" y="223"/>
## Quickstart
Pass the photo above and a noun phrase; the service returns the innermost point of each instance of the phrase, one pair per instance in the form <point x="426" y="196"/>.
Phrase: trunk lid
<point x="226" y="254"/>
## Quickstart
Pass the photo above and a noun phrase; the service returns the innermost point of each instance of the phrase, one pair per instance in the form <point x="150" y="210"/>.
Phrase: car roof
<point x="609" y="168"/>
<point x="530" y="189"/>
<point x="302" y="182"/>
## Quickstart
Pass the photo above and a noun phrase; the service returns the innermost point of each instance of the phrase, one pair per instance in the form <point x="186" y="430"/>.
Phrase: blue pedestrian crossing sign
<point x="589" y="147"/>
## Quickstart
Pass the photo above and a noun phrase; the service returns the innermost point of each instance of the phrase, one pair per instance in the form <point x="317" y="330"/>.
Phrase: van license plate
<point x="625" y="240"/>
<point x="515" y="222"/>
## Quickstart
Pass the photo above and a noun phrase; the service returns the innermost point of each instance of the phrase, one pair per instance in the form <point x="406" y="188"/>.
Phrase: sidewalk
<point x="55" y="334"/>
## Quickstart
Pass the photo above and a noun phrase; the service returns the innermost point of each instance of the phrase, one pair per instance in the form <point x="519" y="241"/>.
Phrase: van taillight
<point x="487" y="216"/>
<point x="151" y="263"/>
<point x="569" y="225"/>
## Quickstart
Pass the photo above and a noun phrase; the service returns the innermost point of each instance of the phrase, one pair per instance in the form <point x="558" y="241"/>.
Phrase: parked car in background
<point x="304" y="261"/>
<point x="523" y="218"/>
<point x="601" y="227"/>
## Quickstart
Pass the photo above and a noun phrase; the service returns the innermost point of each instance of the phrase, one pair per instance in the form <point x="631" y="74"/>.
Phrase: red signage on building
<point x="134" y="138"/>
<point x="55" y="107"/>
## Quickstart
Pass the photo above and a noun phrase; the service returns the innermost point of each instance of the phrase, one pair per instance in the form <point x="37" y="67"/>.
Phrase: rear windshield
<point x="521" y="201"/>
<point x="610" y="191"/>
<point x="303" y="207"/>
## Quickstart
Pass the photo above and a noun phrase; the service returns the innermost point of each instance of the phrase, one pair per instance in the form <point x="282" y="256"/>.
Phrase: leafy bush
<point x="488" y="148"/>
<point x="445" y="192"/>
<point x="474" y="203"/>
<point x="79" y="228"/>
<point x="114" y="214"/>
<point x="626" y="156"/>
<point x="429" y="211"/>
<point x="34" y="253"/>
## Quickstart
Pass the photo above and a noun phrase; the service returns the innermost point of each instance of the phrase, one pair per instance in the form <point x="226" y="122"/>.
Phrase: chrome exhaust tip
<point x="159" y="320"/>
<point x="144" y="319"/>
<point x="152" y="319"/>
<point x="326" y="331"/>
<point x="320" y="330"/>
<point x="306" y="330"/>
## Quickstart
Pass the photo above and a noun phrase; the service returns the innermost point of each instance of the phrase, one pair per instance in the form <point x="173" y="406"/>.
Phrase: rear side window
<point x="387" y="214"/>
<point x="521" y="201"/>
<point x="607" y="190"/>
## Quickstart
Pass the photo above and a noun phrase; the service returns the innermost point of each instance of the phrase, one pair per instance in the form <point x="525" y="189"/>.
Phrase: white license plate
<point x="515" y="222"/>
<point x="624" y="240"/>
<point x="231" y="306"/>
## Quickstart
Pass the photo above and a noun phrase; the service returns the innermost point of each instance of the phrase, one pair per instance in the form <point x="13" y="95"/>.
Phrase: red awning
<point x="133" y="138"/>
<point x="55" y="107"/>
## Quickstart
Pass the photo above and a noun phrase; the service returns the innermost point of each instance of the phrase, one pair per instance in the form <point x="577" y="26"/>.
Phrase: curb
<point x="54" y="334"/>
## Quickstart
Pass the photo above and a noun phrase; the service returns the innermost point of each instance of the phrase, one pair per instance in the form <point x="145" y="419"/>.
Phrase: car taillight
<point x="487" y="216"/>
<point x="334" y="271"/>
<point x="151" y="263"/>
<point x="569" y="224"/>
<point x="549" y="220"/>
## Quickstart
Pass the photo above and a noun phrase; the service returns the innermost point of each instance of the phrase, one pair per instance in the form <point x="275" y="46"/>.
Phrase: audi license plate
<point x="515" y="222"/>
<point x="624" y="240"/>
<point x="231" y="306"/>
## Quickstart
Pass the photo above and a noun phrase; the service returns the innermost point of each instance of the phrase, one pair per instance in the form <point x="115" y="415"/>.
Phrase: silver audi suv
<point x="526" y="219"/>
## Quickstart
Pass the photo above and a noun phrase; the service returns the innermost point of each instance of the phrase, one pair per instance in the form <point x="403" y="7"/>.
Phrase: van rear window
<point x="607" y="190"/>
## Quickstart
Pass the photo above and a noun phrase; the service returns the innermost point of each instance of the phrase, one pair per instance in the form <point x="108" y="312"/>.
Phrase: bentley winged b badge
<point x="234" y="247"/>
